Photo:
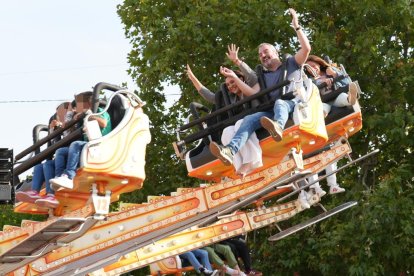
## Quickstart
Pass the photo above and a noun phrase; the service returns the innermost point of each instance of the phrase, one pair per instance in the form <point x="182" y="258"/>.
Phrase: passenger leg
<point x="317" y="188"/>
<point x="281" y="115"/>
<point x="250" y="124"/>
<point x="38" y="178"/>
<point x="213" y="257"/>
<point x="243" y="251"/>
<point x="49" y="201"/>
<point x="226" y="136"/>
<point x="326" y="108"/>
<point x="250" y="154"/>
<point x="334" y="187"/>
<point x="347" y="99"/>
<point x="75" y="150"/>
<point x="202" y="255"/>
<point x="61" y="156"/>
<point x="225" y="250"/>
<point x="49" y="173"/>
<point x="66" y="179"/>
<point x="282" y="109"/>
<point x="189" y="256"/>
<point x="37" y="182"/>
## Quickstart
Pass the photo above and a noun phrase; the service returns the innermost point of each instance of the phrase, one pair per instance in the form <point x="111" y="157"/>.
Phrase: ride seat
<point x="117" y="159"/>
<point x="307" y="130"/>
<point x="117" y="109"/>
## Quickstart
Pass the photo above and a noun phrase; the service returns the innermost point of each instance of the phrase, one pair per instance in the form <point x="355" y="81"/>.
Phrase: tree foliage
<point x="373" y="39"/>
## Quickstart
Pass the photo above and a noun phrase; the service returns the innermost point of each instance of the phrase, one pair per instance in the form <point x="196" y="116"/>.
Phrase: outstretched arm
<point x="203" y="91"/>
<point x="249" y="74"/>
<point x="305" y="48"/>
<point x="245" y="89"/>
<point x="197" y="84"/>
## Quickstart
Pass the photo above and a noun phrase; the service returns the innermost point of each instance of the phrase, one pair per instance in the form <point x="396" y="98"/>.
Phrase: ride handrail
<point x="98" y="88"/>
<point x="221" y="125"/>
<point x="122" y="91"/>
<point x="46" y="139"/>
<point x="47" y="152"/>
<point x="239" y="103"/>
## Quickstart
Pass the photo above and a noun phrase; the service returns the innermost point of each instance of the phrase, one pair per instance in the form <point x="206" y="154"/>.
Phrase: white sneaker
<point x="335" y="189"/>
<point x="318" y="190"/>
<point x="303" y="200"/>
<point x="62" y="181"/>
<point x="229" y="270"/>
<point x="235" y="272"/>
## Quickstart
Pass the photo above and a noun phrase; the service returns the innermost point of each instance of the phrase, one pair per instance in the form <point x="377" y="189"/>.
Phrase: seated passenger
<point x="272" y="120"/>
<point x="43" y="172"/>
<point x="71" y="110"/>
<point x="324" y="73"/>
<point x="65" y="168"/>
<point x="250" y="155"/>
<point x="232" y="267"/>
<point x="241" y="250"/>
<point x="193" y="257"/>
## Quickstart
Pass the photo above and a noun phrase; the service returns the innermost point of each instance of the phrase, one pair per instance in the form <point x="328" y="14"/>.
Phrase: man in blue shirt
<point x="272" y="120"/>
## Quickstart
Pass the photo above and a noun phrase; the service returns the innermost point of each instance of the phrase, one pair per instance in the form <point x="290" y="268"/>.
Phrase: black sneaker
<point x="273" y="128"/>
<point x="222" y="153"/>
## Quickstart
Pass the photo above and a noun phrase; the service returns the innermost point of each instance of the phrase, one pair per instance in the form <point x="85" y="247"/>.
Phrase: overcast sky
<point x="51" y="50"/>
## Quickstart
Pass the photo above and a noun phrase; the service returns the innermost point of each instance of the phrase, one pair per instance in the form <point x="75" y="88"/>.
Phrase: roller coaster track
<point x="195" y="212"/>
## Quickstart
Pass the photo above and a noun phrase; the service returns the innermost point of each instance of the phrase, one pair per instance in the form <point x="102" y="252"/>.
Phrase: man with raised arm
<point x="273" y="72"/>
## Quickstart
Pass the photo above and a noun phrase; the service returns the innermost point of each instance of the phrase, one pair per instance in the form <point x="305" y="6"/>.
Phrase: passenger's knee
<point x="226" y="250"/>
<point x="280" y="102"/>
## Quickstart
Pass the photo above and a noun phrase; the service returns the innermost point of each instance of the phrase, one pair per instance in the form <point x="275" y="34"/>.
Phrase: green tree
<point x="373" y="39"/>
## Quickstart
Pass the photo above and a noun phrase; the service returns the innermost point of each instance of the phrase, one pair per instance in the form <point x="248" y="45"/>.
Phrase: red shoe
<point x="29" y="196"/>
<point x="49" y="201"/>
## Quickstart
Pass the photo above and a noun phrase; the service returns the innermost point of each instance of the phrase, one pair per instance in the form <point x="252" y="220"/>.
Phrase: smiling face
<point x="231" y="86"/>
<point x="315" y="66"/>
<point x="267" y="55"/>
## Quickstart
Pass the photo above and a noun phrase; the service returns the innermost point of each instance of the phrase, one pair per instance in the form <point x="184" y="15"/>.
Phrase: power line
<point x="62" y="100"/>
<point x="59" y="69"/>
<point x="32" y="101"/>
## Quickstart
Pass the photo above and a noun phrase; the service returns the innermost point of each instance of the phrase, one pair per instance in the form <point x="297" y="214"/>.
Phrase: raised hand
<point x="232" y="53"/>
<point x="295" y="21"/>
<point x="197" y="84"/>
<point x="189" y="72"/>
<point x="227" y="72"/>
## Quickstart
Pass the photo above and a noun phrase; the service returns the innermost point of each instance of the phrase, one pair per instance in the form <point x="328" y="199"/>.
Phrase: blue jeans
<point x="251" y="123"/>
<point x="193" y="257"/>
<point x="72" y="163"/>
<point x="61" y="157"/>
<point x="38" y="178"/>
<point x="43" y="173"/>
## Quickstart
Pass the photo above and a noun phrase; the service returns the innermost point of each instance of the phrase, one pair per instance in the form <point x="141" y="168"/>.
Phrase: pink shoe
<point x="29" y="196"/>
<point x="49" y="201"/>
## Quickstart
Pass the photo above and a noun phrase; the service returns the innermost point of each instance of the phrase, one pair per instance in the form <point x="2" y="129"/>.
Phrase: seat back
<point x="117" y="109"/>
